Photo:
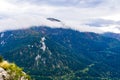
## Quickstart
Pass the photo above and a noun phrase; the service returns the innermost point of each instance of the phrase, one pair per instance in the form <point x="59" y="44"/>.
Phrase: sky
<point x="84" y="15"/>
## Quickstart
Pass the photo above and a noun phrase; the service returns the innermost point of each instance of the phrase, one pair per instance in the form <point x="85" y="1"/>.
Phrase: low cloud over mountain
<point x="15" y="14"/>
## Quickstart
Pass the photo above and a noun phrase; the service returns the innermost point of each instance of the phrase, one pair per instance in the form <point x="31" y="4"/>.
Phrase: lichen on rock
<point x="10" y="71"/>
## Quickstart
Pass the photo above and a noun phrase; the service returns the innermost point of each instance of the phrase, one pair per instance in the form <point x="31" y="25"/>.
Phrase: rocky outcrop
<point x="3" y="74"/>
<point x="10" y="71"/>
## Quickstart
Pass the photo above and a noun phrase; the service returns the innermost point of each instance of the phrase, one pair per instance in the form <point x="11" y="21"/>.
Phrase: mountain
<point x="112" y="35"/>
<point x="62" y="54"/>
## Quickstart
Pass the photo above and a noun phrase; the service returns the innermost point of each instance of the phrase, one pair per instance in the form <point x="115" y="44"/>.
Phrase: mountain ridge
<point x="57" y="53"/>
<point x="112" y="35"/>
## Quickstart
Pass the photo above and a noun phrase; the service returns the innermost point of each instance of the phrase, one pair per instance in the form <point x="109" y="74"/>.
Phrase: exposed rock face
<point x="4" y="75"/>
<point x="10" y="71"/>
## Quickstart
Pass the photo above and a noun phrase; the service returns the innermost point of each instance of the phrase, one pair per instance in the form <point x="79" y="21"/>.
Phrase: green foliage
<point x="15" y="72"/>
<point x="1" y="59"/>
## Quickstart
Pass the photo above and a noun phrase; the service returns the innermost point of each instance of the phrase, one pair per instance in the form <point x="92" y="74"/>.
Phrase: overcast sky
<point x="84" y="15"/>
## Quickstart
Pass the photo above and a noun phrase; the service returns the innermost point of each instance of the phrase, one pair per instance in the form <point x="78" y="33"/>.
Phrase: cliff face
<point x="10" y="71"/>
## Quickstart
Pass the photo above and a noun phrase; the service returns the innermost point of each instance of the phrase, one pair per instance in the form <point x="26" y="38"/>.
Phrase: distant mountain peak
<point x="112" y="35"/>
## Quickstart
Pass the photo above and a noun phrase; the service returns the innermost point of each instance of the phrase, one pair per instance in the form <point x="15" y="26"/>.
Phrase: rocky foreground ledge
<point x="10" y="71"/>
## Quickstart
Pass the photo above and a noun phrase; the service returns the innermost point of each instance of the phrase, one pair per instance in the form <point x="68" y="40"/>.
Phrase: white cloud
<point x="111" y="28"/>
<point x="15" y="14"/>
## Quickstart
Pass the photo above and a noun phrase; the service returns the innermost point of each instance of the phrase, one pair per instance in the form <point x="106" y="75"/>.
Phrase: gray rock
<point x="4" y="75"/>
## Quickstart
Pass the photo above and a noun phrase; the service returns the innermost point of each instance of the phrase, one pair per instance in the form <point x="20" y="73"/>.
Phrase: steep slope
<point x="56" y="53"/>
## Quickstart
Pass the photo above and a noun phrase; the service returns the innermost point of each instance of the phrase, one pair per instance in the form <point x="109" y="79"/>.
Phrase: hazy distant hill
<point x="112" y="35"/>
<point x="62" y="54"/>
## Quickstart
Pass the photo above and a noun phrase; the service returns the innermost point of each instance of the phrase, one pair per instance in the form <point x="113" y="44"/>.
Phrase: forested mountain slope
<point x="62" y="54"/>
